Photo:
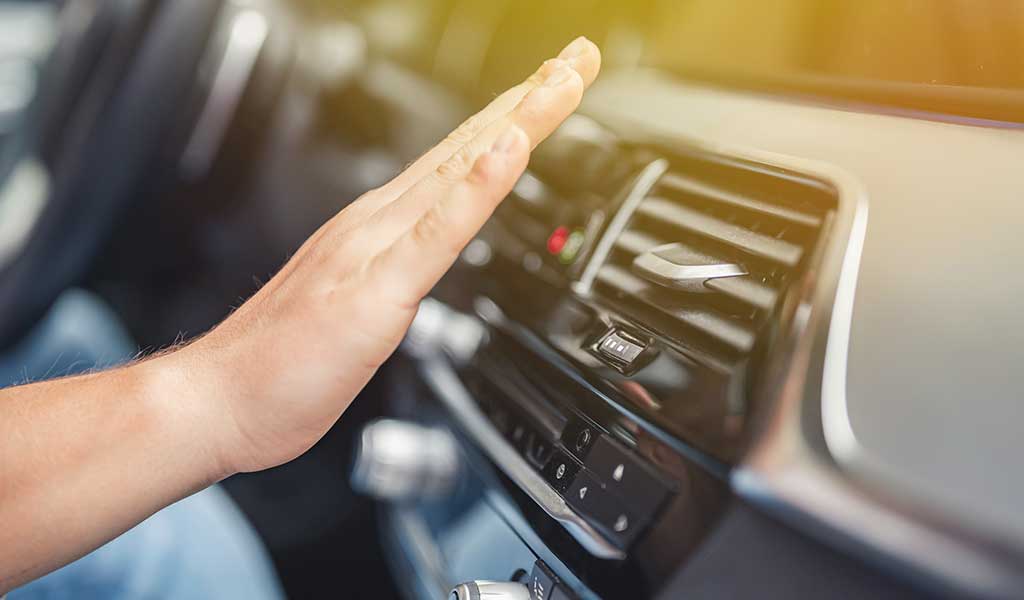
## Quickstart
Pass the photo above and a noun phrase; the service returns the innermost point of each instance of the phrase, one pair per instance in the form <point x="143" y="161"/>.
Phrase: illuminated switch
<point x="616" y="347"/>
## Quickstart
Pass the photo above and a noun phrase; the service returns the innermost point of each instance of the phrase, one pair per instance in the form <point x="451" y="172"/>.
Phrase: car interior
<point x="746" y="327"/>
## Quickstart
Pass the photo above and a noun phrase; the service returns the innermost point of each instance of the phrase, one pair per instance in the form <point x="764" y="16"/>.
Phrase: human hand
<point x="274" y="377"/>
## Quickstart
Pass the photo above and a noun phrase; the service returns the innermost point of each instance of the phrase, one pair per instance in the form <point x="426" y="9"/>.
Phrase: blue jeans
<point x="200" y="547"/>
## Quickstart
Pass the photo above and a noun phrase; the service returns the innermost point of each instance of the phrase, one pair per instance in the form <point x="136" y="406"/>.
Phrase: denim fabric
<point x="79" y="334"/>
<point x="200" y="547"/>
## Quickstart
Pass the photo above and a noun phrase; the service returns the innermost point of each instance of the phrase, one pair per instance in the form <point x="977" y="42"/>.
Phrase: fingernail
<point x="560" y="76"/>
<point x="506" y="141"/>
<point x="574" y="49"/>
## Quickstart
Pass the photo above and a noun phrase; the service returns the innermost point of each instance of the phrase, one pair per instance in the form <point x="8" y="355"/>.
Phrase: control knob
<point x="490" y="590"/>
<point x="399" y="461"/>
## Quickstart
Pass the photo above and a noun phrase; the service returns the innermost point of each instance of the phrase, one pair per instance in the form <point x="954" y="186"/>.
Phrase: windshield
<point x="963" y="57"/>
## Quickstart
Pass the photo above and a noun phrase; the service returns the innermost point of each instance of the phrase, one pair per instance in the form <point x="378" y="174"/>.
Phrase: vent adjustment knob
<point x="679" y="267"/>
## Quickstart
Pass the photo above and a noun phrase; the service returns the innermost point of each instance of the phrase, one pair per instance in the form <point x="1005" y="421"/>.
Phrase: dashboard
<point x="745" y="327"/>
<point x="719" y="297"/>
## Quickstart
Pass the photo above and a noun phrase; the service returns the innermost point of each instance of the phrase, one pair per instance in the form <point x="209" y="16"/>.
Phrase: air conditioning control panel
<point x="611" y="486"/>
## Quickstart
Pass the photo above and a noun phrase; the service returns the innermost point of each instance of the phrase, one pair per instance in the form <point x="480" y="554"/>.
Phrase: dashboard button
<point x="518" y="433"/>
<point x="542" y="582"/>
<point x="616" y="347"/>
<point x="500" y="418"/>
<point x="578" y="437"/>
<point x="603" y="509"/>
<point x="560" y="471"/>
<point x="538" y="450"/>
<point x="626" y="476"/>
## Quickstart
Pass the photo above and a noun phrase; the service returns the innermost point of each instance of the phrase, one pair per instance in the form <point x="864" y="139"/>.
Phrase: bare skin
<point x="84" y="459"/>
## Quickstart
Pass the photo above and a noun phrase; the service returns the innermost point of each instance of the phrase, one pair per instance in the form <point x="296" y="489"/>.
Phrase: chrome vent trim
<point x="643" y="184"/>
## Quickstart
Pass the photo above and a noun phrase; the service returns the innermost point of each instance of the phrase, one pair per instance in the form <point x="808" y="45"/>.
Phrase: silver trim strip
<point x="248" y="31"/>
<point x="415" y="543"/>
<point x="444" y="382"/>
<point x="783" y="473"/>
<point x="641" y="188"/>
<point x="23" y="198"/>
<point x="512" y="515"/>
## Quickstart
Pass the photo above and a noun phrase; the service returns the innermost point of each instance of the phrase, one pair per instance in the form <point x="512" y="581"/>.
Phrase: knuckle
<point x="406" y="298"/>
<point x="465" y="132"/>
<point x="546" y="68"/>
<point x="484" y="171"/>
<point x="436" y="231"/>
<point x="391" y="290"/>
<point x="534" y="108"/>
<point x="537" y="78"/>
<point x="430" y="227"/>
<point x="454" y="168"/>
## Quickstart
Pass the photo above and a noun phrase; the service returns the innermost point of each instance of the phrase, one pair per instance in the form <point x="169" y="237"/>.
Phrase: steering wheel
<point x="126" y="81"/>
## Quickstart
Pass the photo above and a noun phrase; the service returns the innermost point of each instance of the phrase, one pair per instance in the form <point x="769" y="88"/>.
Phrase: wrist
<point x="184" y="400"/>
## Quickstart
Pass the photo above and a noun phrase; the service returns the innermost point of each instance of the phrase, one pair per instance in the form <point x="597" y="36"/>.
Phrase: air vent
<point x="761" y="223"/>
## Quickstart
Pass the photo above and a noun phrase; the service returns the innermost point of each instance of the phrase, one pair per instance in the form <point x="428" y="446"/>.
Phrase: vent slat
<point x="746" y="290"/>
<point x="635" y="242"/>
<point x="680" y="183"/>
<point x="753" y="243"/>
<point x="721" y="329"/>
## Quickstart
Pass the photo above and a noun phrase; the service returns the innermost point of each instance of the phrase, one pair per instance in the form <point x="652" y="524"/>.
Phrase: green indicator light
<point x="572" y="248"/>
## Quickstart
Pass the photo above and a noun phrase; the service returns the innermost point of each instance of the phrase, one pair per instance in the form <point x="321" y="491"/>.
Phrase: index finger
<point x="581" y="55"/>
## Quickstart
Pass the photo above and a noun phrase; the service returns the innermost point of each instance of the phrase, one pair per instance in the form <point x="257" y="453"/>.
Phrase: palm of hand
<point x="291" y="359"/>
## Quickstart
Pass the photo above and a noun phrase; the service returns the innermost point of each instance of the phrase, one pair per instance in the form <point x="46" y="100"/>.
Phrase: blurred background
<point x="162" y="159"/>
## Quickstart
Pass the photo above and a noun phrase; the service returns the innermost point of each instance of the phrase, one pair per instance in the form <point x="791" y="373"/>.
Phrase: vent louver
<point x="765" y="220"/>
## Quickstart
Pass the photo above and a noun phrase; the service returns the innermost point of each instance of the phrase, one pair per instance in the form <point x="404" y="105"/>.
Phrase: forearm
<point x="86" y="458"/>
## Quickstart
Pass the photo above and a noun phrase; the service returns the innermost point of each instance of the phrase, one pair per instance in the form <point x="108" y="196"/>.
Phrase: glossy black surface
<point x="689" y="510"/>
<point x="700" y="393"/>
<point x="684" y="384"/>
<point x="639" y="444"/>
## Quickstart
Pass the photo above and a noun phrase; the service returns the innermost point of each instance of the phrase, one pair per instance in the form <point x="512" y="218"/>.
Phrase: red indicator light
<point x="557" y="240"/>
